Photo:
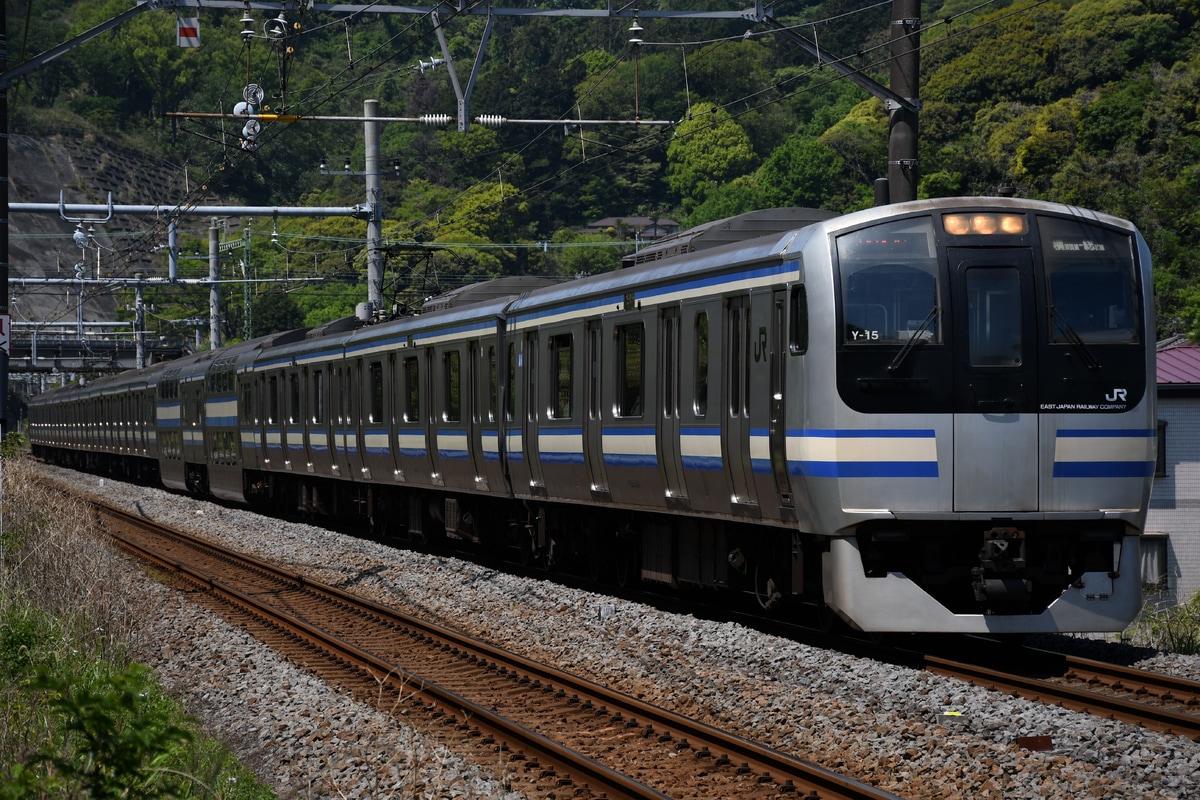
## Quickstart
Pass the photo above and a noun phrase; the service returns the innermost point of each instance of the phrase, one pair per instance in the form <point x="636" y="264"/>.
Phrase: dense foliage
<point x="1091" y="102"/>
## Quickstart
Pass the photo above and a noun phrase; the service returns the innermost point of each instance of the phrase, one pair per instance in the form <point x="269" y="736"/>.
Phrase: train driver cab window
<point x="562" y="363"/>
<point x="412" y="389"/>
<point x="629" y="364"/>
<point x="1091" y="283"/>
<point x="889" y="282"/>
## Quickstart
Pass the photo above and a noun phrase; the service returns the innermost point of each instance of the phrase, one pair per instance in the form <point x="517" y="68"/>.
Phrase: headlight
<point x="984" y="224"/>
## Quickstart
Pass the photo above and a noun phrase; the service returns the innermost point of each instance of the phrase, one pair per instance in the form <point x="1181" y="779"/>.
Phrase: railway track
<point x="1158" y="702"/>
<point x="557" y="733"/>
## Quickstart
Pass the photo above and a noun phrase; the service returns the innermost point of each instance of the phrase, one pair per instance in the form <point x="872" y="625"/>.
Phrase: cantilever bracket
<point x="62" y="210"/>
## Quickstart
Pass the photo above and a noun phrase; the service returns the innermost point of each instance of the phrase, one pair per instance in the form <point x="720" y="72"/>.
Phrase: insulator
<point x="491" y="120"/>
<point x="253" y="94"/>
<point x="437" y="119"/>
<point x="247" y="26"/>
<point x="243" y="109"/>
<point x="252" y="129"/>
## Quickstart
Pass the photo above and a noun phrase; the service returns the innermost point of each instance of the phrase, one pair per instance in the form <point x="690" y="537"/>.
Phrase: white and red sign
<point x="188" y="32"/>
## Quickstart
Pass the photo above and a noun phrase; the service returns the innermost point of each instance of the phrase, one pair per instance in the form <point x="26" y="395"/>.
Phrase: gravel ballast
<point x="913" y="733"/>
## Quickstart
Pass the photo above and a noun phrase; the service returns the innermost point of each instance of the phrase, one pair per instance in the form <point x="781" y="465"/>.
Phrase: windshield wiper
<point x="1073" y="338"/>
<point x="912" y="339"/>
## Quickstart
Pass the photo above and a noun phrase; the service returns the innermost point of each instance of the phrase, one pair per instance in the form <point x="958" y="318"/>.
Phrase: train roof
<point x="730" y="230"/>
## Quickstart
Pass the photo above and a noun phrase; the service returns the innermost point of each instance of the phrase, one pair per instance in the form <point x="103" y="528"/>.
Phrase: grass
<point x="77" y="717"/>
<point x="1172" y="629"/>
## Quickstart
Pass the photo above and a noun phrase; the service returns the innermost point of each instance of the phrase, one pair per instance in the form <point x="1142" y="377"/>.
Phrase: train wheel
<point x="599" y="556"/>
<point x="627" y="568"/>
<point x="827" y="620"/>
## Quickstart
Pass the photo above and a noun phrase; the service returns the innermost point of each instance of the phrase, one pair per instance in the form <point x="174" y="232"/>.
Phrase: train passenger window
<point x="452" y="387"/>
<point x="246" y="408"/>
<point x="562" y="364"/>
<point x="700" y="390"/>
<point x="889" y="283"/>
<point x="629" y="371"/>
<point x="994" y="316"/>
<point x="375" y="378"/>
<point x="1091" y="281"/>
<point x="412" y="390"/>
<point x="798" y="323"/>
<point x="318" y="397"/>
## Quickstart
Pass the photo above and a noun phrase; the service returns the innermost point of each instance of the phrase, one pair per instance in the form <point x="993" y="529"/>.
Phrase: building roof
<point x="1179" y="364"/>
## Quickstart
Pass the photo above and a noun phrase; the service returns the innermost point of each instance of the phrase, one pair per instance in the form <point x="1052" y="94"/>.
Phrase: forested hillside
<point x="1094" y="103"/>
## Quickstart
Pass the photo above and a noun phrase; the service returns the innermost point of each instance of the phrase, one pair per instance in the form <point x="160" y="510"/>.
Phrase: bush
<point x="1174" y="629"/>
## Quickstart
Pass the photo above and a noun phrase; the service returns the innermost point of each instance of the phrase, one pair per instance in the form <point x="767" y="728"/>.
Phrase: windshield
<point x="890" y="286"/>
<point x="1090" y="282"/>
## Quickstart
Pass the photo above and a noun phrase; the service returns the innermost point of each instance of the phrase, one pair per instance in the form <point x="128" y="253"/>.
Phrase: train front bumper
<point x="1097" y="602"/>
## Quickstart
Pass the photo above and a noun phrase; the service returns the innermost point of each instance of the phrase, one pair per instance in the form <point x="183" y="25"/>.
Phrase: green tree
<point x="709" y="149"/>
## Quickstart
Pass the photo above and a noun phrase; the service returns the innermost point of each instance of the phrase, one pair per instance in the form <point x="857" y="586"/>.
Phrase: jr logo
<point x="1115" y="395"/>
<point x="760" y="347"/>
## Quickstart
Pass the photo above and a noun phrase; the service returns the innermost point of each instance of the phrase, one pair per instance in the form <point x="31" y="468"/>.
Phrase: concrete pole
<point x="214" y="289"/>
<point x="375" y="204"/>
<point x="903" y="172"/>
<point x="139" y="322"/>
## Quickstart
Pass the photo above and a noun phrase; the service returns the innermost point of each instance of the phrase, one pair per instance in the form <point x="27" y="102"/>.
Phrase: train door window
<point x="594" y="401"/>
<point x="451" y="386"/>
<point x="629" y="365"/>
<point x="375" y="381"/>
<point x="318" y="397"/>
<point x="670" y="358"/>
<point x="798" y="323"/>
<point x="531" y="395"/>
<point x="700" y="387"/>
<point x="272" y="400"/>
<point x="994" y="317"/>
<point x="412" y="389"/>
<point x="561" y="361"/>
<point x="510" y="388"/>
<point x="293" y="410"/>
<point x="736" y="364"/>
<point x="493" y="384"/>
<point x="245" y="407"/>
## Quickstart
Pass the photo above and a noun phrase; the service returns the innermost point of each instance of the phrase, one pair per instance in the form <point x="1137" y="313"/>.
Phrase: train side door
<point x="670" y="458"/>
<point x="593" y="422"/>
<point x="736" y="397"/>
<point x="995" y="382"/>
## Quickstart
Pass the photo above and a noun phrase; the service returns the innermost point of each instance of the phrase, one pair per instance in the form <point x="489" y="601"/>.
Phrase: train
<point x="935" y="416"/>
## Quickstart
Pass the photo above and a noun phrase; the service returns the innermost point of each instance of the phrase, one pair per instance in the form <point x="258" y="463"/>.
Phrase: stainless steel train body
<point x="932" y="416"/>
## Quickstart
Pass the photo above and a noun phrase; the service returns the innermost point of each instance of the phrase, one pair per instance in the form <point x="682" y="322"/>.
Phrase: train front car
<point x="984" y="459"/>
